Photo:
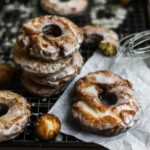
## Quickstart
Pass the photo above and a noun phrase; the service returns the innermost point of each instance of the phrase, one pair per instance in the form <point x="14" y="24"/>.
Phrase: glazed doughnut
<point x="39" y="89"/>
<point x="65" y="75"/>
<point x="47" y="126"/>
<point x="16" y="116"/>
<point x="49" y="37"/>
<point x="107" y="40"/>
<point x="64" y="7"/>
<point x="111" y="118"/>
<point x="37" y="66"/>
<point x="110" y="16"/>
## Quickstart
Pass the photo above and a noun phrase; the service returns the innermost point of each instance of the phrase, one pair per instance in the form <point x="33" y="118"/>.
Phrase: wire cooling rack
<point x="12" y="14"/>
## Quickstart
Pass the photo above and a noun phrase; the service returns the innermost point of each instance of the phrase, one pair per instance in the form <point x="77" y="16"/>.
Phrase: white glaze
<point x="64" y="8"/>
<point x="37" y="66"/>
<point x="119" y="16"/>
<point x="18" y="107"/>
<point x="48" y="47"/>
<point x="127" y="100"/>
<point x="64" y="75"/>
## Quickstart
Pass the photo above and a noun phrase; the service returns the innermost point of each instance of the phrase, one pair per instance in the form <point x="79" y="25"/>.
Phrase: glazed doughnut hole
<point x="52" y="30"/>
<point x="108" y="98"/>
<point x="3" y="109"/>
<point x="7" y="74"/>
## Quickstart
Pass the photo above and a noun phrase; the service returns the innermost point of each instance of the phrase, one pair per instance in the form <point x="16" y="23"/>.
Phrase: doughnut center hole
<point x="52" y="30"/>
<point x="93" y="41"/>
<point x="108" y="98"/>
<point x="104" y="14"/>
<point x="3" y="109"/>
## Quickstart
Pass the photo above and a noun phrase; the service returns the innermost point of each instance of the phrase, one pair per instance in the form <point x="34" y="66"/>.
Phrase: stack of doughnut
<point x="47" y="53"/>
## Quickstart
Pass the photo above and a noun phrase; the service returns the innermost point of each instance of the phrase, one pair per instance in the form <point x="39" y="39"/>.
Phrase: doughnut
<point x="107" y="40"/>
<point x="108" y="15"/>
<point x="37" y="66"/>
<point x="105" y="103"/>
<point x="62" y="76"/>
<point x="15" y="115"/>
<point x="49" y="38"/>
<point x="7" y="74"/>
<point x="47" y="126"/>
<point x="41" y="90"/>
<point x="64" y="7"/>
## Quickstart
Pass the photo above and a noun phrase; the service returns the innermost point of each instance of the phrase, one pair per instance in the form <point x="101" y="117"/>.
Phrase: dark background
<point x="10" y="23"/>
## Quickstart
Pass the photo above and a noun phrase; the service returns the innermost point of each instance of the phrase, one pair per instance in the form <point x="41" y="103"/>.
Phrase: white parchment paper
<point x="136" y="71"/>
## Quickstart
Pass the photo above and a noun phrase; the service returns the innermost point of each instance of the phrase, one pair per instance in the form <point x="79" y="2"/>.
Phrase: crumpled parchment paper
<point x="136" y="71"/>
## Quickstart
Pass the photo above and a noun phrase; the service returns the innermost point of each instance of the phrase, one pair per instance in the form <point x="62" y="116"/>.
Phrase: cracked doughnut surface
<point x="41" y="90"/>
<point x="49" y="37"/>
<point x="94" y="115"/>
<point x="64" y="75"/>
<point x="37" y="66"/>
<point x="15" y="118"/>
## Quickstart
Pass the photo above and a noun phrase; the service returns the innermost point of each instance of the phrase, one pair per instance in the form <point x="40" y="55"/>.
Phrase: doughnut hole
<point x="47" y="126"/>
<point x="7" y="74"/>
<point x="92" y="41"/>
<point x="104" y="14"/>
<point x="108" y="98"/>
<point x="108" y="49"/>
<point x="3" y="109"/>
<point x="52" y="30"/>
